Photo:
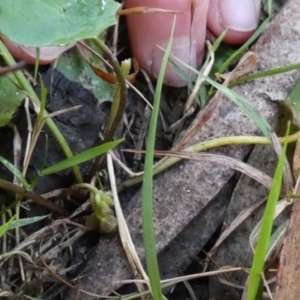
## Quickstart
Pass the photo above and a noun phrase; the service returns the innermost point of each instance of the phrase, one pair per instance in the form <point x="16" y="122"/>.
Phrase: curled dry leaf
<point x="105" y="76"/>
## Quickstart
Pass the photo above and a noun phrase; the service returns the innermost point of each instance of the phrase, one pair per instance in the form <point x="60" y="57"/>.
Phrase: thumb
<point x="150" y="30"/>
<point x="240" y="17"/>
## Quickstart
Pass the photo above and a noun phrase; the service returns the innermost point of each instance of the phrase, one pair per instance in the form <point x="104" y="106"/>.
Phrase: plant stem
<point x="24" y="84"/>
<point x="6" y="185"/>
<point x="266" y="73"/>
<point x="206" y="145"/>
<point x="119" y="104"/>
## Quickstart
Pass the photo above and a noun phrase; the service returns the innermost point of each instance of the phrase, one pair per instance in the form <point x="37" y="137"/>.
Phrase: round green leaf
<point x="39" y="23"/>
<point x="73" y="66"/>
<point x="10" y="98"/>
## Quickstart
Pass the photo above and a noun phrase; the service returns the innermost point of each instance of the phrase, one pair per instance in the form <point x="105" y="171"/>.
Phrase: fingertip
<point x="239" y="17"/>
<point x="147" y="31"/>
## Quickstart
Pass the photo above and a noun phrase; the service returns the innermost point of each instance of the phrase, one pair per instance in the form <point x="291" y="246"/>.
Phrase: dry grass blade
<point x="190" y="290"/>
<point x="35" y="237"/>
<point x="280" y="207"/>
<point x="246" y="65"/>
<point x="165" y="163"/>
<point x="81" y="208"/>
<point x="53" y="253"/>
<point x="266" y="285"/>
<point x="229" y="283"/>
<point x="199" y="81"/>
<point x="233" y="225"/>
<point x="126" y="240"/>
<point x="62" y="111"/>
<point x="8" y="255"/>
<point x="5" y="294"/>
<point x="200" y="275"/>
<point x="172" y="281"/>
<point x="122" y="165"/>
<point x="239" y="287"/>
<point x="139" y="94"/>
<point x="56" y="193"/>
<point x="205" y="115"/>
<point x="225" y="161"/>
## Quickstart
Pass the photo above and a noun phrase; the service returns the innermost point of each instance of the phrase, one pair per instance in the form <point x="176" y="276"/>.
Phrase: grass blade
<point x="15" y="172"/>
<point x="81" y="157"/>
<point x="5" y="227"/>
<point x="246" y="106"/>
<point x="147" y="191"/>
<point x="23" y="222"/>
<point x="266" y="228"/>
<point x="265" y="73"/>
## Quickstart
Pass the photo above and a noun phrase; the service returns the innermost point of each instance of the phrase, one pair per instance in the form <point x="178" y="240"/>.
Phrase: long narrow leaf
<point x="147" y="192"/>
<point x="246" y="106"/>
<point x="266" y="228"/>
<point x="5" y="227"/>
<point x="15" y="172"/>
<point x="81" y="157"/>
<point x="27" y="221"/>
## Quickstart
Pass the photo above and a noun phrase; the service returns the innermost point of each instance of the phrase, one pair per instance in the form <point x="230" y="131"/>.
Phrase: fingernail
<point x="240" y="15"/>
<point x="182" y="50"/>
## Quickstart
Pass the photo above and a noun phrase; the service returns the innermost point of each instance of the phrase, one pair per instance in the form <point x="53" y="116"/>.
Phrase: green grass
<point x="147" y="190"/>
<point x="266" y="229"/>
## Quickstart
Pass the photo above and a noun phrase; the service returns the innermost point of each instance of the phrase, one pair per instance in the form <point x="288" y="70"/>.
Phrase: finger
<point x="240" y="17"/>
<point x="28" y="54"/>
<point x="147" y="31"/>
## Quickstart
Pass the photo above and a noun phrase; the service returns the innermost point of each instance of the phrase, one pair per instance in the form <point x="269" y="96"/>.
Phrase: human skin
<point x="146" y="31"/>
<point x="239" y="17"/>
<point x="28" y="54"/>
<point x="150" y="30"/>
